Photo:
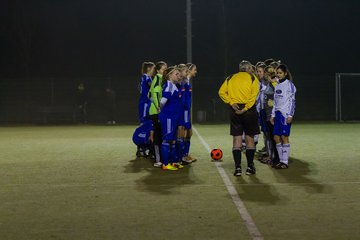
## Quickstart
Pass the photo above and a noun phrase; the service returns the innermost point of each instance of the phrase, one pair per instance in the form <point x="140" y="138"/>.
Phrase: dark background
<point x="49" y="47"/>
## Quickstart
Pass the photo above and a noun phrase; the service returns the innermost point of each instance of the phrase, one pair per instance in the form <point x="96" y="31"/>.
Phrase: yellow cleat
<point x="169" y="167"/>
<point x="178" y="165"/>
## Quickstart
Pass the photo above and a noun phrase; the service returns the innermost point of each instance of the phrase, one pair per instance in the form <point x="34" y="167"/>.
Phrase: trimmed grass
<point x="84" y="182"/>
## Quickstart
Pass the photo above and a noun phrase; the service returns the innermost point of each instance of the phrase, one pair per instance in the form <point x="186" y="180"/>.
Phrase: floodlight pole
<point x="188" y="32"/>
<point x="189" y="41"/>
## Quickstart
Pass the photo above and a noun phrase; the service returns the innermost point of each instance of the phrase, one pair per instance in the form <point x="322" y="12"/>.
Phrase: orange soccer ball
<point x="216" y="154"/>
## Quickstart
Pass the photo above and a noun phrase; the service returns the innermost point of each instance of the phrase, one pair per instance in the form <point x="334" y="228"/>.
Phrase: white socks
<point x="157" y="153"/>
<point x="284" y="152"/>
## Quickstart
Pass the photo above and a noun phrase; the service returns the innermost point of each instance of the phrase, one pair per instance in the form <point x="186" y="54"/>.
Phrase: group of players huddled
<point x="164" y="114"/>
<point x="276" y="107"/>
<point x="263" y="95"/>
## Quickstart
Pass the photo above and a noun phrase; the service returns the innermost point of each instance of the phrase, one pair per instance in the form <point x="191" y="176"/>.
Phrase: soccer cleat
<point x="157" y="164"/>
<point x="281" y="165"/>
<point x="192" y="159"/>
<point x="237" y="172"/>
<point x="169" y="167"/>
<point x="177" y="165"/>
<point x="263" y="150"/>
<point x="186" y="161"/>
<point x="250" y="171"/>
<point x="140" y="153"/>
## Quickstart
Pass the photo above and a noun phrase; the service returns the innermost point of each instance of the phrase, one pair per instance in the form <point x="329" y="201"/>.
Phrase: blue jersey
<point x="144" y="88"/>
<point x="187" y="95"/>
<point x="181" y="88"/>
<point x="173" y="96"/>
<point x="142" y="133"/>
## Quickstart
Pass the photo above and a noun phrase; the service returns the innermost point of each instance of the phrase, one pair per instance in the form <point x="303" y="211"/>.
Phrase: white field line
<point x="249" y="222"/>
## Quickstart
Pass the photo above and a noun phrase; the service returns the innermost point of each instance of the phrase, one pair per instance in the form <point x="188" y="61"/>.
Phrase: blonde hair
<point x="145" y="66"/>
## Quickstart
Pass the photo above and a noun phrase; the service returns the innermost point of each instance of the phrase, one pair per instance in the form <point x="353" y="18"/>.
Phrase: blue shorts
<point x="144" y="110"/>
<point x="168" y="127"/>
<point x="187" y="119"/>
<point x="281" y="128"/>
<point x="181" y="119"/>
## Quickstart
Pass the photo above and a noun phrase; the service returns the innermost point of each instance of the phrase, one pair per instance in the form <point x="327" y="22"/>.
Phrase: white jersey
<point x="284" y="98"/>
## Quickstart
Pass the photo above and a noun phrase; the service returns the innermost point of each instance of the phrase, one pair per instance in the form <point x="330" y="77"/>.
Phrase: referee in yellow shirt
<point x="240" y="91"/>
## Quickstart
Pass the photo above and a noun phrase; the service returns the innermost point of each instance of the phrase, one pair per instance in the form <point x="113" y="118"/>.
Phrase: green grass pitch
<point x="84" y="182"/>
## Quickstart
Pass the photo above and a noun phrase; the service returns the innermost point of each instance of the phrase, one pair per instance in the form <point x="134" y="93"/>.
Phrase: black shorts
<point x="246" y="122"/>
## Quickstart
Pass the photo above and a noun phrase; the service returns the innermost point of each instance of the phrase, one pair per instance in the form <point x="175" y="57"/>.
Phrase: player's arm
<point x="165" y="96"/>
<point x="223" y="92"/>
<point x="291" y="110"/>
<point x="273" y="112"/>
<point x="152" y="87"/>
<point x="155" y="95"/>
<point x="253" y="94"/>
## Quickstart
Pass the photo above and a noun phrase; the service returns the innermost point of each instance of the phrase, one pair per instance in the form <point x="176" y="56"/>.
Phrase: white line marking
<point x="249" y="222"/>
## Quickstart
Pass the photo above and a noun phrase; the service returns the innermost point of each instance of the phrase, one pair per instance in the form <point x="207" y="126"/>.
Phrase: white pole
<point x="336" y="97"/>
<point x="339" y="89"/>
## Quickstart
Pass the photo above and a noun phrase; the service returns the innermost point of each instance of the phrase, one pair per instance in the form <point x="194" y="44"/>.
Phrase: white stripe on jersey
<point x="168" y="125"/>
<point x="170" y="87"/>
<point x="145" y="109"/>
<point x="186" y="119"/>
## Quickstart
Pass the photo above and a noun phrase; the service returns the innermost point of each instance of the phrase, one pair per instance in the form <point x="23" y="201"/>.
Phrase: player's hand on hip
<point x="289" y="119"/>
<point x="239" y="112"/>
<point x="272" y="120"/>
<point x="235" y="107"/>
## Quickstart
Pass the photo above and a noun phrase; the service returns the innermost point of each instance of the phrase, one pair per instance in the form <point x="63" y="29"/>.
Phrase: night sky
<point x="113" y="37"/>
<point x="81" y="38"/>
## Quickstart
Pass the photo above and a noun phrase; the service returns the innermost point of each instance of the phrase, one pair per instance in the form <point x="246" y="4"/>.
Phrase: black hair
<point x="159" y="65"/>
<point x="167" y="72"/>
<point x="286" y="70"/>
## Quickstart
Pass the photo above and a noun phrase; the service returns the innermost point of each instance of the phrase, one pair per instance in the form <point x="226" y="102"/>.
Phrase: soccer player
<point x="240" y="91"/>
<point x="192" y="71"/>
<point x="283" y="113"/>
<point x="268" y="104"/>
<point x="144" y="87"/>
<point x="260" y="73"/>
<point x="142" y="137"/>
<point x="170" y="104"/>
<point x="180" y="144"/>
<point x="155" y="95"/>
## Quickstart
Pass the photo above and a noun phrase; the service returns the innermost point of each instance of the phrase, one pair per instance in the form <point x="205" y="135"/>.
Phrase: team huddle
<point x="258" y="96"/>
<point x="165" y="130"/>
<point x="263" y="95"/>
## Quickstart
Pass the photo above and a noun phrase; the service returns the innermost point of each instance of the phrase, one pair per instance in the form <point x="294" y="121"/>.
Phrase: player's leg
<point x="180" y="144"/>
<point x="157" y="139"/>
<point x="168" y="141"/>
<point x="188" y="135"/>
<point x="251" y="128"/>
<point x="281" y="128"/>
<point x="285" y="149"/>
<point x="236" y="130"/>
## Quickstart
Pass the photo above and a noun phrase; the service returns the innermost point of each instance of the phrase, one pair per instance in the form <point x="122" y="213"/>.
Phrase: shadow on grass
<point x="138" y="164"/>
<point x="252" y="189"/>
<point x="158" y="180"/>
<point x="298" y="174"/>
